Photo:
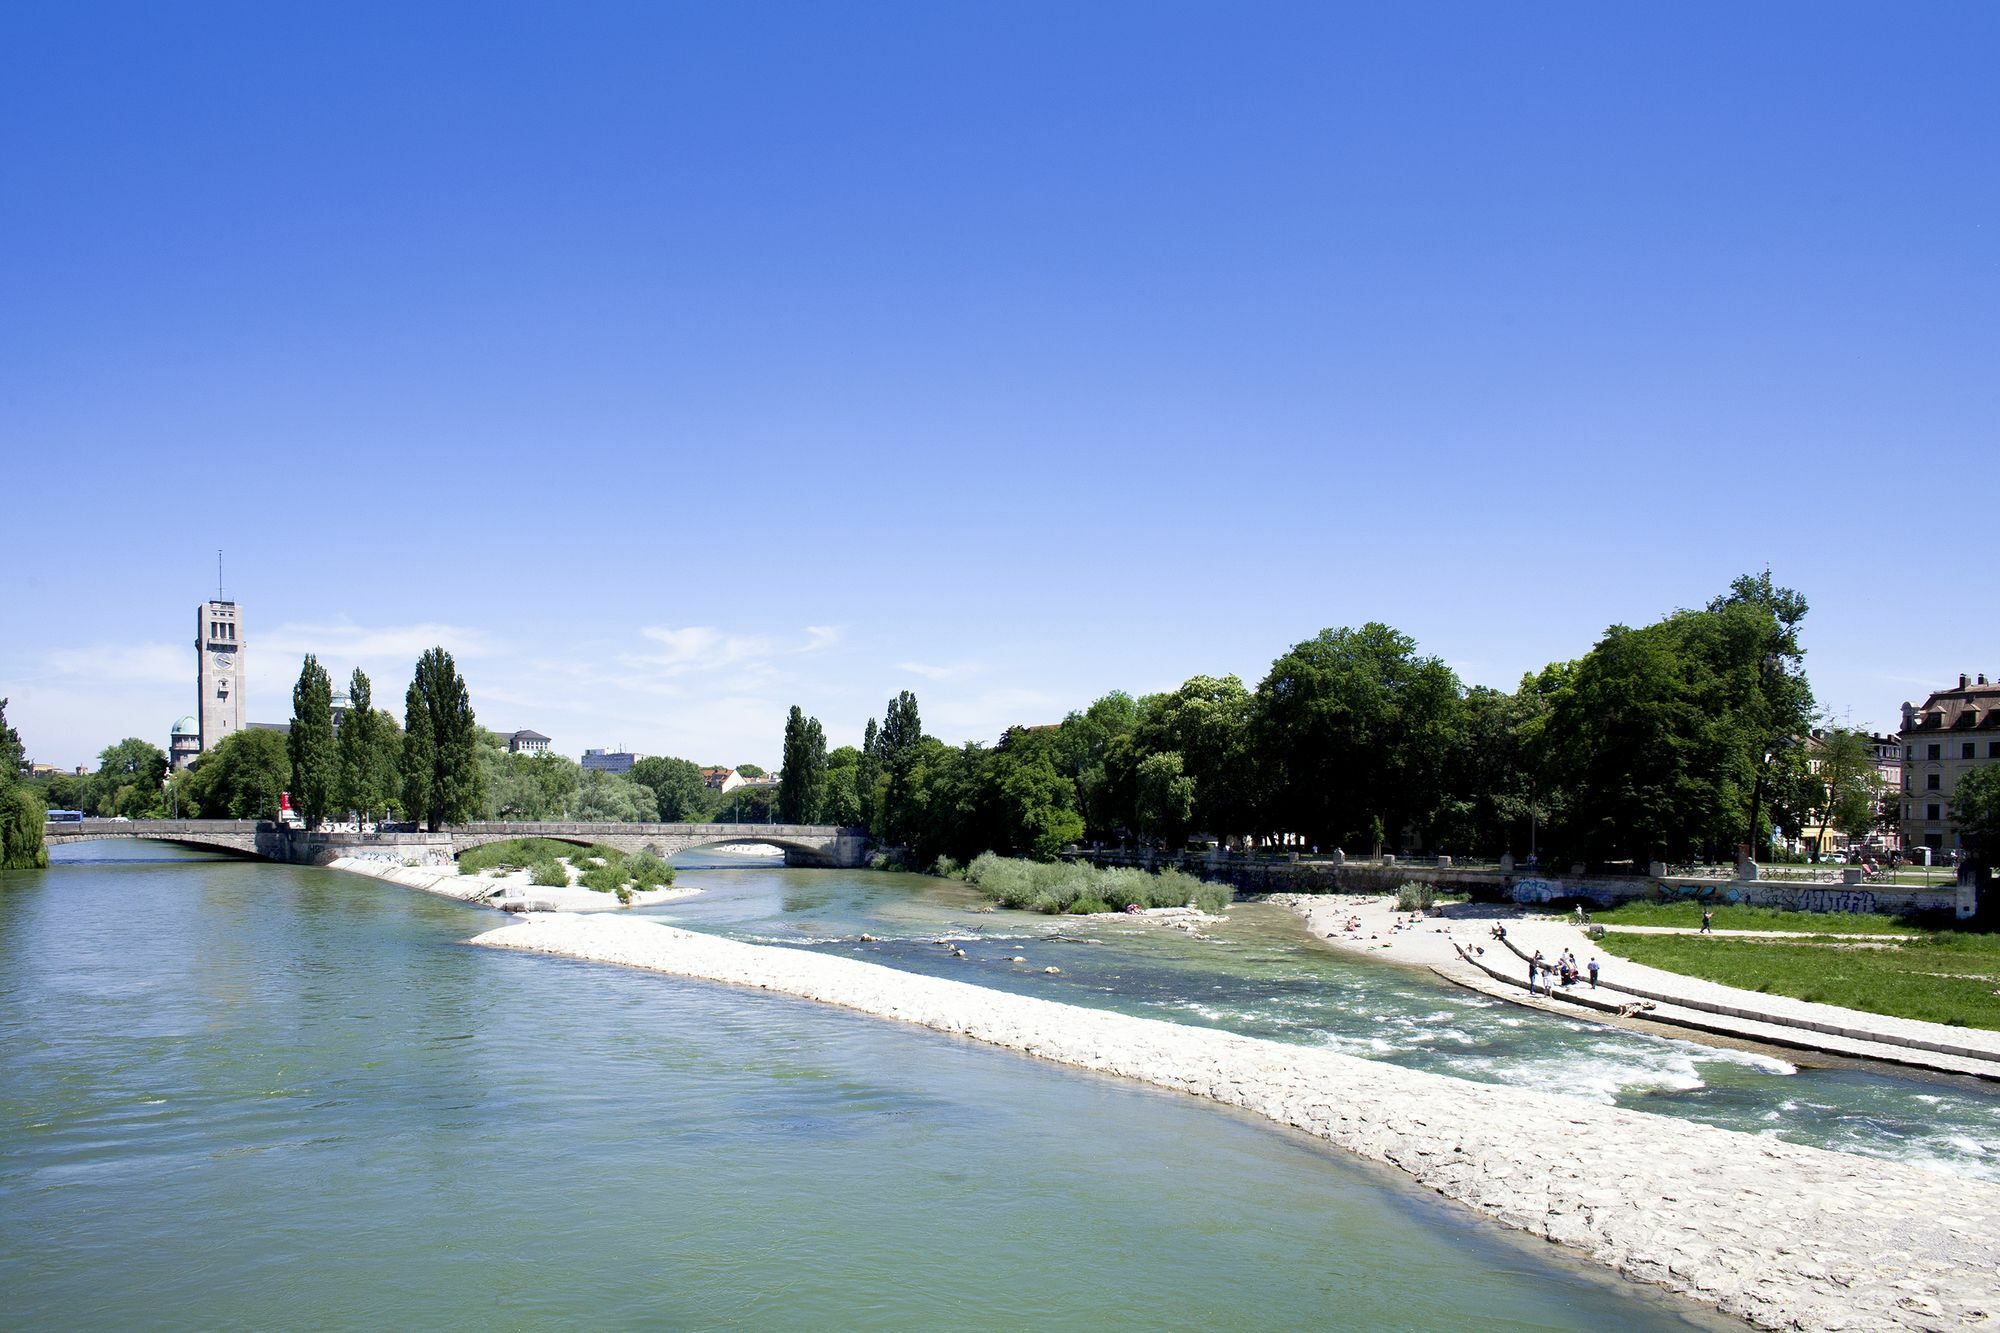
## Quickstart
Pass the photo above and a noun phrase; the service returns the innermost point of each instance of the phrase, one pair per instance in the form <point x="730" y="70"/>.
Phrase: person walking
<point x="1708" y="920"/>
<point x="1593" y="974"/>
<point x="1534" y="970"/>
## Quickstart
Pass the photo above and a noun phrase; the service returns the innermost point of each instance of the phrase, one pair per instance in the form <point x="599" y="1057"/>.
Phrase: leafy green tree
<point x="22" y="813"/>
<point x="896" y="747"/>
<point x="867" y="780"/>
<point x="315" y="761"/>
<point x="677" y="787"/>
<point x="1975" y="804"/>
<point x="1037" y="805"/>
<point x="13" y="754"/>
<point x="841" y="802"/>
<point x="1353" y="730"/>
<point x="1167" y="798"/>
<point x="443" y="780"/>
<point x="1847" y="786"/>
<point x="749" y="771"/>
<point x="802" y="779"/>
<point x="745" y="805"/>
<point x="530" y="786"/>
<point x="1207" y="723"/>
<point x="367" y="770"/>
<point x="128" y="780"/>
<point x="1095" y="748"/>
<point x="611" y="798"/>
<point x="238" y="779"/>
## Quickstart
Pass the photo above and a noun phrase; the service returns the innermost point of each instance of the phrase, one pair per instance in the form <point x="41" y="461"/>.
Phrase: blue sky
<point x="674" y="364"/>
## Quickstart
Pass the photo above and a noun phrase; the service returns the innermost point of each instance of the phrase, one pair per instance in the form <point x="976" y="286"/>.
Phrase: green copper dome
<point x="187" y="727"/>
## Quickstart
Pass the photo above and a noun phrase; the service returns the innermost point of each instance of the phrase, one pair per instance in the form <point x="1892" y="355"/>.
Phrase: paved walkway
<point x="1458" y="945"/>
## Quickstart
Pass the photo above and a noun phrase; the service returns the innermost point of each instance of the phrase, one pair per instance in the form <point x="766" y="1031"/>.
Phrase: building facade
<point x="218" y="647"/>
<point x="1952" y="733"/>
<point x="609" y="761"/>
<point x="721" y="779"/>
<point x="184" y="743"/>
<point x="527" y="742"/>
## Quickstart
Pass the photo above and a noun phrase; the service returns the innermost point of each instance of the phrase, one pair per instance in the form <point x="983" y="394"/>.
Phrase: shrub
<point x="513" y="853"/>
<point x="549" y="874"/>
<point x="946" y="868"/>
<point x="1063" y="886"/>
<point x="21" y="816"/>
<point x="1415" y="897"/>
<point x="603" y="878"/>
<point x="648" y="871"/>
<point x="1086" y="905"/>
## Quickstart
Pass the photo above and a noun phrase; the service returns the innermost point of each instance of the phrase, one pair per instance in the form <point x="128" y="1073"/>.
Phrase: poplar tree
<point x="366" y="778"/>
<point x="896" y="747"/>
<point x="802" y="782"/>
<point x="439" y="727"/>
<point x="315" y="764"/>
<point x="867" y="773"/>
<point x="419" y="760"/>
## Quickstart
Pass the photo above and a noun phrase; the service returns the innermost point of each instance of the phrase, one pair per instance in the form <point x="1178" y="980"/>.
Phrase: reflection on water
<point x="242" y="1095"/>
<point x="1262" y="974"/>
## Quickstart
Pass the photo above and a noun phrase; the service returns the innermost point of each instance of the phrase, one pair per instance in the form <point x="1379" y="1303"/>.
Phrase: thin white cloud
<point x="703" y="648"/>
<point x="347" y="641"/>
<point x="151" y="663"/>
<point x="931" y="671"/>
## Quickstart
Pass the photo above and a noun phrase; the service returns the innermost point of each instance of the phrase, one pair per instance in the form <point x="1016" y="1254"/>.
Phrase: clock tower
<point x="218" y="646"/>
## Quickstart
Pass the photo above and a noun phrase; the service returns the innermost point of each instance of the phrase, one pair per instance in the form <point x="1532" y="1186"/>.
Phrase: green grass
<point x="514" y="853"/>
<point x="1729" y="917"/>
<point x="1943" y="977"/>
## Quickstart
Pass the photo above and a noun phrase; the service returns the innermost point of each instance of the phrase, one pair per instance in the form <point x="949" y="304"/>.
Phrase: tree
<point x="21" y="813"/>
<point x="610" y="798"/>
<point x="367" y="778"/>
<point x="1351" y="732"/>
<point x="677" y="787"/>
<point x="1166" y="798"/>
<point x="238" y="779"/>
<point x="896" y="748"/>
<point x="1034" y="805"/>
<point x="841" y="803"/>
<point x="867" y="778"/>
<point x="802" y="779"/>
<point x="443" y="782"/>
<point x="128" y="780"/>
<point x="418" y="763"/>
<point x="315" y="762"/>
<point x="1975" y="804"/>
<point x="1206" y="722"/>
<point x="1847" y="785"/>
<point x="749" y="771"/>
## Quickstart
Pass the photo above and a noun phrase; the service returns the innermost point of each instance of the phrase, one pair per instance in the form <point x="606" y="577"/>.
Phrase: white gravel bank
<point x="495" y="890"/>
<point x="1782" y="1235"/>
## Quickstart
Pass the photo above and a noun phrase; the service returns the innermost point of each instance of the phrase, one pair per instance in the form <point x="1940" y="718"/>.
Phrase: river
<point x="235" y="1094"/>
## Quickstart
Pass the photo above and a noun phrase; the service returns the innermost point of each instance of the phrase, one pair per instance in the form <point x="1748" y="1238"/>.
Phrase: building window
<point x="1931" y="782"/>
<point x="1931" y="812"/>
<point x="1993" y="749"/>
<point x="1936" y="752"/>
<point x="1966" y="751"/>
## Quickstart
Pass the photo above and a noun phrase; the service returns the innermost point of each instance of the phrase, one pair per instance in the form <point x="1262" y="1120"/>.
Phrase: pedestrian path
<point x="1634" y="990"/>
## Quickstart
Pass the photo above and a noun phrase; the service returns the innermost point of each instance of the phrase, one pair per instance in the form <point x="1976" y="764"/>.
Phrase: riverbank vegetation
<point x="599" y="867"/>
<point x="1939" y="977"/>
<point x="1669" y="741"/>
<point x="21" y="811"/>
<point x="1065" y="886"/>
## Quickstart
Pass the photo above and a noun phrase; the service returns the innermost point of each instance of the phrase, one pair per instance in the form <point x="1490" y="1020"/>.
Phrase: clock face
<point x="221" y="661"/>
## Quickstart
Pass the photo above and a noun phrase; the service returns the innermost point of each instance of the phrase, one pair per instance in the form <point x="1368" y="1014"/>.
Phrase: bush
<point x="946" y="868"/>
<point x="648" y="871"/>
<point x="1039" y="886"/>
<point x="603" y="878"/>
<point x="1415" y="897"/>
<point x="549" y="874"/>
<point x="513" y="853"/>
<point x="21" y="817"/>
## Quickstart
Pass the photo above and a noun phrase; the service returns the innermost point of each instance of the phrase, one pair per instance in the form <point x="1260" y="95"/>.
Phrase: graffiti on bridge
<point x="1831" y="900"/>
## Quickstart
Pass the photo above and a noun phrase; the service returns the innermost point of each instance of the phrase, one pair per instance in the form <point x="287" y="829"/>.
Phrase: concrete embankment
<point x="1779" y="1234"/>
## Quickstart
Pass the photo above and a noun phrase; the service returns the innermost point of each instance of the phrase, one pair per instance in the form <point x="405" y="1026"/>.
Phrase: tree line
<point x="1679" y="740"/>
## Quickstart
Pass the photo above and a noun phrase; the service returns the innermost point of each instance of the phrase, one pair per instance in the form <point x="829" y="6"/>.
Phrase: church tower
<point x="218" y="646"/>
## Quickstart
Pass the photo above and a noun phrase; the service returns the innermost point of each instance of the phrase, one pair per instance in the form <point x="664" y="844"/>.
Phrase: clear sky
<point x="675" y="363"/>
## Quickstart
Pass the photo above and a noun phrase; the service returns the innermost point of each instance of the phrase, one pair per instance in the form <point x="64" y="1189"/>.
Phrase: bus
<point x="65" y="817"/>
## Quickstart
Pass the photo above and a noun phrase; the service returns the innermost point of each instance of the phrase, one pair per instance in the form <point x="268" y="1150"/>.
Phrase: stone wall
<point x="298" y="847"/>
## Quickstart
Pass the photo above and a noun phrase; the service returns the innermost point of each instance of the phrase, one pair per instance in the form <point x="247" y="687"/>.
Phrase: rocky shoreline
<point x="1782" y="1235"/>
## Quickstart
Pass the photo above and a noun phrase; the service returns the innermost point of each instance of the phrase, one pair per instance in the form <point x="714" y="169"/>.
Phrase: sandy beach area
<point x="1782" y="1235"/>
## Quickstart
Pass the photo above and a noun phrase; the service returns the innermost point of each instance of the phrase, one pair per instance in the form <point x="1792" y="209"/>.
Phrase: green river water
<point x="240" y="1095"/>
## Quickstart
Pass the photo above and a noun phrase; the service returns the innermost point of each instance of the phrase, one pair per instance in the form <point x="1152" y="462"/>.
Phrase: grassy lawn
<point x="1751" y="918"/>
<point x="1942" y="978"/>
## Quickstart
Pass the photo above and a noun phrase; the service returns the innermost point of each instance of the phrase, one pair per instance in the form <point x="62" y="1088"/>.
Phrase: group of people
<point x="1563" y="969"/>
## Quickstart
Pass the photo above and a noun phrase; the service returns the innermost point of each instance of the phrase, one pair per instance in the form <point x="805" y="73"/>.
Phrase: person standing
<point x="1593" y="974"/>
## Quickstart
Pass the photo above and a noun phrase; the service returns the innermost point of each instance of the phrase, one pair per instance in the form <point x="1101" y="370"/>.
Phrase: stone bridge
<point x="803" y="844"/>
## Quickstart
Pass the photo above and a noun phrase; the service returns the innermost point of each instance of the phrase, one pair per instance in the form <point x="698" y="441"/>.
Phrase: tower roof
<point x="187" y="727"/>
